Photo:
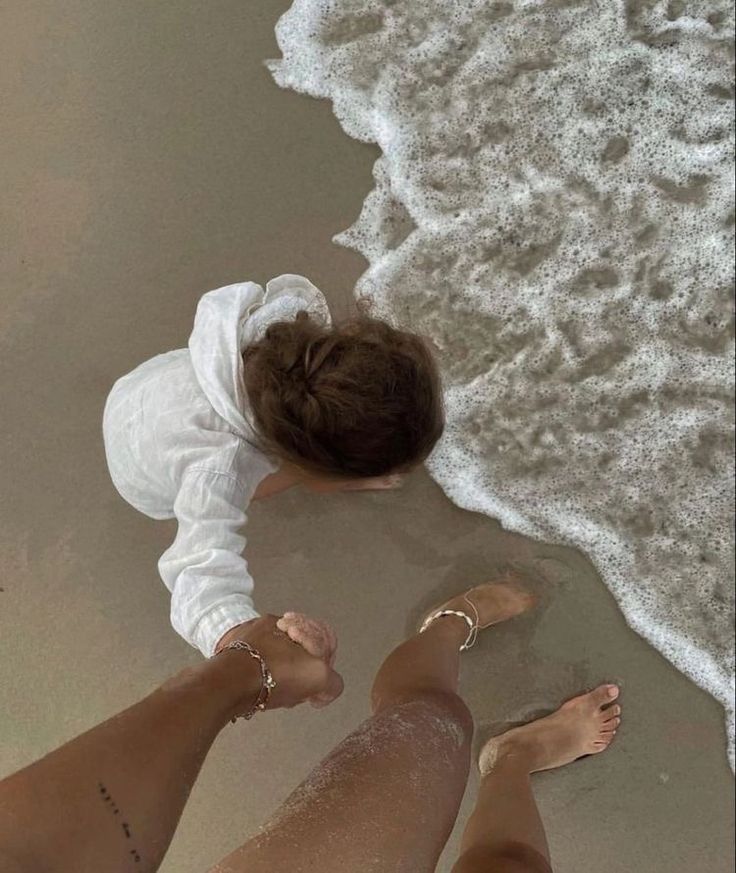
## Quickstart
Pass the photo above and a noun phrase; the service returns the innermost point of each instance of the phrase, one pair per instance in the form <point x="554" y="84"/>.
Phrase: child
<point x="268" y="394"/>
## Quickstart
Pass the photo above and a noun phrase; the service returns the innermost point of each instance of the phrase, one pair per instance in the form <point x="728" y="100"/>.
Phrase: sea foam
<point x="554" y="208"/>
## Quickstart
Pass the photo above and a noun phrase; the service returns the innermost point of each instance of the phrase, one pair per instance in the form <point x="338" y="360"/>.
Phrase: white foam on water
<point x="554" y="207"/>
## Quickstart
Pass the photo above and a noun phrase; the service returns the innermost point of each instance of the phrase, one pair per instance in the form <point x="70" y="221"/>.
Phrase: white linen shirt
<point x="179" y="443"/>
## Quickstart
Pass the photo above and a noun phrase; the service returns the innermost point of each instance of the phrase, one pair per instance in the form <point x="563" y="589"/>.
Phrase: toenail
<point x="612" y="690"/>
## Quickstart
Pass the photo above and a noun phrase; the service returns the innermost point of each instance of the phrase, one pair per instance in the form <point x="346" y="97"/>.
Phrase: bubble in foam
<point x="554" y="207"/>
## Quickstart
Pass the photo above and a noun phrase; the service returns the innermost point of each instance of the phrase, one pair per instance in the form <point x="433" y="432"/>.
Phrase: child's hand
<point x="317" y="637"/>
<point x="299" y="675"/>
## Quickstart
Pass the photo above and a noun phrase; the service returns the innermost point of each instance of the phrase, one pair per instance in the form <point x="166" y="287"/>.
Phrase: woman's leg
<point x="387" y="797"/>
<point x="505" y="833"/>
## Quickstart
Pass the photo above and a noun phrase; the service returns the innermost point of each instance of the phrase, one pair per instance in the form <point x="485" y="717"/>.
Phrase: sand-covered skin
<point x="554" y="207"/>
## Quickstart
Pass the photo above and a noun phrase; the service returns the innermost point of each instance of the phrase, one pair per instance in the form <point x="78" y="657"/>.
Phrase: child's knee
<point x="511" y="857"/>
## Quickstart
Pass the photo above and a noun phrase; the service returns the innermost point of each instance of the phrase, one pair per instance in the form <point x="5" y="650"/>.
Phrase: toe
<point x="611" y="724"/>
<point x="604" y="694"/>
<point x="611" y="711"/>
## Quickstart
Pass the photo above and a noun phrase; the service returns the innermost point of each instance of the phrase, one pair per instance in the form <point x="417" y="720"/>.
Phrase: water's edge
<point x="554" y="208"/>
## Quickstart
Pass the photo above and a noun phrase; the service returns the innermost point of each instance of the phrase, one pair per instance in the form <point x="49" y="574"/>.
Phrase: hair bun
<point x="362" y="399"/>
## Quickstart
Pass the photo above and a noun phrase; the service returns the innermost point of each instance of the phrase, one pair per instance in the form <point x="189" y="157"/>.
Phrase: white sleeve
<point x="204" y="568"/>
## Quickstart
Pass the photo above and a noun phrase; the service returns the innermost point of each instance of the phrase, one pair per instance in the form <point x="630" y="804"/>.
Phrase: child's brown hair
<point x="359" y="400"/>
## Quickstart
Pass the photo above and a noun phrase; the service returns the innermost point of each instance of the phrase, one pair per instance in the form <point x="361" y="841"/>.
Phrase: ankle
<point x="449" y="626"/>
<point x="509" y="755"/>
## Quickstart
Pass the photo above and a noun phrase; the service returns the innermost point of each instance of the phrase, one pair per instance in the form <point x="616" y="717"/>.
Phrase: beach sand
<point x="149" y="157"/>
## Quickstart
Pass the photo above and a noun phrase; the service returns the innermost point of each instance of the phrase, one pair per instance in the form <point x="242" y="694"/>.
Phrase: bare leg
<point x="387" y="797"/>
<point x="287" y="477"/>
<point x="332" y="486"/>
<point x="379" y="483"/>
<point x="505" y="832"/>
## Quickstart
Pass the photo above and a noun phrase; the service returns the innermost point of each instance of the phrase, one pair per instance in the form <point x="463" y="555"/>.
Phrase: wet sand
<point x="148" y="157"/>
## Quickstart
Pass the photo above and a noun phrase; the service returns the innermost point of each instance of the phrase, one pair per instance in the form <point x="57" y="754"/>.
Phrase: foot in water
<point x="492" y="602"/>
<point x="585" y="725"/>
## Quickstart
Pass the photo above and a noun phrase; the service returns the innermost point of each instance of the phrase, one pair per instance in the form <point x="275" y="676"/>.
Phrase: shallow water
<point x="554" y="207"/>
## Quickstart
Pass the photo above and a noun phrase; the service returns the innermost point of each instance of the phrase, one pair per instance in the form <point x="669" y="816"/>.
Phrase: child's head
<point x="359" y="400"/>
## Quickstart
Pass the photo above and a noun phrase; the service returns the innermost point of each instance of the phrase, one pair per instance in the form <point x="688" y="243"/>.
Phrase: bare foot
<point x="493" y="601"/>
<point x="584" y="725"/>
